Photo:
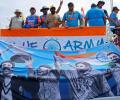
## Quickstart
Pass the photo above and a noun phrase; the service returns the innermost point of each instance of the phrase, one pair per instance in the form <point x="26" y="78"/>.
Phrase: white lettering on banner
<point x="58" y="43"/>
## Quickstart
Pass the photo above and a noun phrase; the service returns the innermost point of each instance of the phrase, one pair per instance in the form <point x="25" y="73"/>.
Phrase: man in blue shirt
<point x="95" y="17"/>
<point x="100" y="6"/>
<point x="72" y="17"/>
<point x="32" y="21"/>
<point x="113" y="17"/>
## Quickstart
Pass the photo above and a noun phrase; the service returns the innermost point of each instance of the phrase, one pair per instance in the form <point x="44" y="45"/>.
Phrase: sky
<point x="7" y="7"/>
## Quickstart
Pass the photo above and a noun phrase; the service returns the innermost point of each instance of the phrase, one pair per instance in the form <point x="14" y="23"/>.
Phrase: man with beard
<point x="115" y="58"/>
<point x="115" y="69"/>
<point x="53" y="19"/>
<point x="85" y="83"/>
<point x="44" y="10"/>
<point x="49" y="84"/>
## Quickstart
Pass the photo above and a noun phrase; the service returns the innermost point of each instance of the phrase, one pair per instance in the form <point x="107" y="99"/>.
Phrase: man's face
<point x="52" y="10"/>
<point x="7" y="65"/>
<point x="81" y="66"/>
<point x="7" y="68"/>
<point x="116" y="11"/>
<point x="45" y="11"/>
<point x="113" y="57"/>
<point x="71" y="7"/>
<point x="18" y="14"/>
<point x="32" y="11"/>
<point x="100" y="5"/>
<point x="43" y="70"/>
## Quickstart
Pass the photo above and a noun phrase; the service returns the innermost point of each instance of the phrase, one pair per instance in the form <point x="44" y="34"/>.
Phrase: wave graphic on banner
<point x="34" y="74"/>
<point x="25" y="58"/>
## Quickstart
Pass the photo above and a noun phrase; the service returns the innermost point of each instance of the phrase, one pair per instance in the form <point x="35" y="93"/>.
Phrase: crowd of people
<point x="96" y="16"/>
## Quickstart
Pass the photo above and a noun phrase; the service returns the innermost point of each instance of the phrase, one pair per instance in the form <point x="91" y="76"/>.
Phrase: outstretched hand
<point x="61" y="2"/>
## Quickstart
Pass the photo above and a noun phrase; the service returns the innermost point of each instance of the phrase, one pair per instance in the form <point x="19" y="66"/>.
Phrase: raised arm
<point x="56" y="64"/>
<point x="58" y="10"/>
<point x="30" y="68"/>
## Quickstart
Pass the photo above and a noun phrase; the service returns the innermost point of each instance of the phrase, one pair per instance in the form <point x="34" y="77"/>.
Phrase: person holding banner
<point x="44" y="16"/>
<point x="71" y="17"/>
<point x="32" y="21"/>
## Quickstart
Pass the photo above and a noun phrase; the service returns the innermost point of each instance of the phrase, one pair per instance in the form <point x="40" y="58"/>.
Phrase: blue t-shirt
<point x="43" y="21"/>
<point x="32" y="21"/>
<point x="114" y="17"/>
<point x="72" y="18"/>
<point x="95" y="17"/>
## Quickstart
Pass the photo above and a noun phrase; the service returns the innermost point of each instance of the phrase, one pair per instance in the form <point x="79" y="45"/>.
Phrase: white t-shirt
<point x="6" y="93"/>
<point x="16" y="22"/>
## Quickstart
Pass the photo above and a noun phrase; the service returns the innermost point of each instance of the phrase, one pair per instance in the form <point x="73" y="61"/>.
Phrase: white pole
<point x="111" y="3"/>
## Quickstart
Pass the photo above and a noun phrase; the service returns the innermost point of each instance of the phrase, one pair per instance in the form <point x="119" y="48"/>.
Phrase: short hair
<point x="45" y="66"/>
<point x="100" y="2"/>
<point x="70" y="4"/>
<point x="115" y="8"/>
<point x="8" y="62"/>
<point x="84" y="63"/>
<point x="53" y="7"/>
<point x="93" y="5"/>
<point x="113" y="53"/>
<point x="32" y="8"/>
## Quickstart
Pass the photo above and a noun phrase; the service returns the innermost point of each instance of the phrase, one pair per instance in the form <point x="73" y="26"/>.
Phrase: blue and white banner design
<point x="33" y="74"/>
<point x="61" y="43"/>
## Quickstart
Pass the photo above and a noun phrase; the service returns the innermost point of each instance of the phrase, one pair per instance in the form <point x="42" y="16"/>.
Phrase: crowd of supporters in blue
<point x="96" y="16"/>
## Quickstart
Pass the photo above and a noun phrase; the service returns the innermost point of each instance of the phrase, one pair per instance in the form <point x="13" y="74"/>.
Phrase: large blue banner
<point x="32" y="74"/>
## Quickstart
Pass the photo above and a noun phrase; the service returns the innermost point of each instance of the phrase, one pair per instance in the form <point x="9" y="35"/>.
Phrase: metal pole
<point x="111" y="4"/>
